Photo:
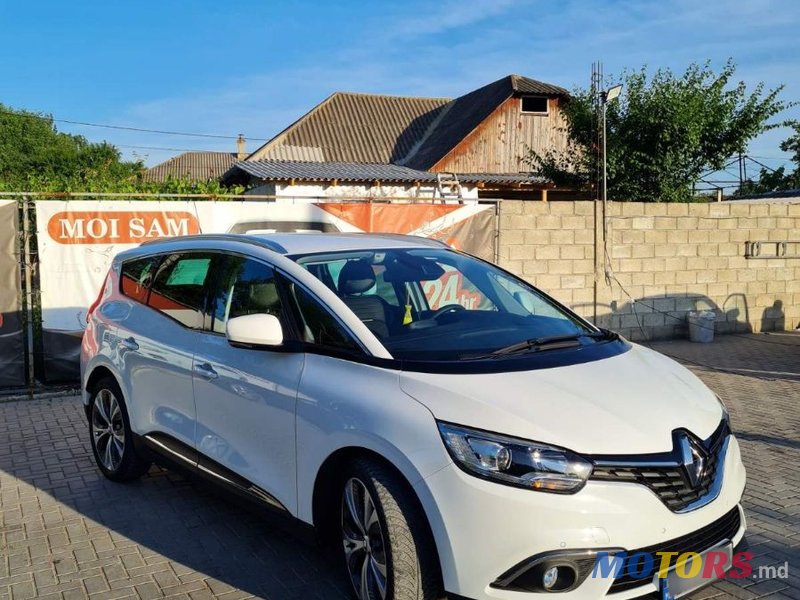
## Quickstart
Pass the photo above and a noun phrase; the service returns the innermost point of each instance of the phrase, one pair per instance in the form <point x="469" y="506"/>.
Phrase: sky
<point x="253" y="67"/>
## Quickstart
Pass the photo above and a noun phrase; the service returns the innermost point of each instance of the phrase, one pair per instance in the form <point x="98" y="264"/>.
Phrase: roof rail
<point x="401" y="236"/>
<point x="225" y="237"/>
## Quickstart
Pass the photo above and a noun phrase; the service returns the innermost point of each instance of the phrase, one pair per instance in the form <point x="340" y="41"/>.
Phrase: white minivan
<point x="452" y="430"/>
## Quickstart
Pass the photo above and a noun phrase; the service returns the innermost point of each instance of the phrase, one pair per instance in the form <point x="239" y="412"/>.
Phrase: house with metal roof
<point x="197" y="166"/>
<point x="192" y="166"/>
<point x="370" y="145"/>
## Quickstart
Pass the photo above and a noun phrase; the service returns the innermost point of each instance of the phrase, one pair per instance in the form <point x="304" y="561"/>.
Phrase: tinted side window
<point x="317" y="325"/>
<point x="136" y="277"/>
<point x="246" y="287"/>
<point x="179" y="288"/>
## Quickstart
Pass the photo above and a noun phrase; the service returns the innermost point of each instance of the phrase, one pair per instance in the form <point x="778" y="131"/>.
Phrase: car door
<point x="246" y="397"/>
<point x="166" y="297"/>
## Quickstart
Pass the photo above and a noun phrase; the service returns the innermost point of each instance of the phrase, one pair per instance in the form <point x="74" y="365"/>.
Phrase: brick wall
<point x="669" y="258"/>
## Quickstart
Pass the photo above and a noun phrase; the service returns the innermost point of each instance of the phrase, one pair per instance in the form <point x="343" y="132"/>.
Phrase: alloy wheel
<point x="363" y="539"/>
<point x="108" y="429"/>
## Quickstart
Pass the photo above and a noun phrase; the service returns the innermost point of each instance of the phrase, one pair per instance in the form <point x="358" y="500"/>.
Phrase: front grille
<point x="669" y="483"/>
<point x="701" y="540"/>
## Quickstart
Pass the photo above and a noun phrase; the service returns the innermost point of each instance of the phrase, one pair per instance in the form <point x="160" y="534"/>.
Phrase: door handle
<point x="129" y="344"/>
<point x="205" y="370"/>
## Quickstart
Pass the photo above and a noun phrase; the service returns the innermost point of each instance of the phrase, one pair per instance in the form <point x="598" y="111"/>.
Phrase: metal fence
<point x="56" y="249"/>
<point x="12" y="264"/>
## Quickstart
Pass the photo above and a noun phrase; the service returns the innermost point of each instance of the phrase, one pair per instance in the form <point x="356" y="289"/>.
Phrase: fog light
<point x="550" y="577"/>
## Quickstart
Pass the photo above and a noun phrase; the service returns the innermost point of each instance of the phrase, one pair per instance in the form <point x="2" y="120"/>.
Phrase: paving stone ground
<point x="67" y="533"/>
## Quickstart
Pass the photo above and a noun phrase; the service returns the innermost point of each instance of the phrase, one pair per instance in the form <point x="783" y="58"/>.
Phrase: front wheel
<point x="111" y="436"/>
<point x="388" y="549"/>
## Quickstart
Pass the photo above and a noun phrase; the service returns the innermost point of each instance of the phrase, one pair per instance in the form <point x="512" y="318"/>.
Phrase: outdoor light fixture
<point x="613" y="93"/>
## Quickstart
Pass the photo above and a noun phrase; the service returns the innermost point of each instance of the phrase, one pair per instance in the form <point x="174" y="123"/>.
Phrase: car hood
<point x="627" y="404"/>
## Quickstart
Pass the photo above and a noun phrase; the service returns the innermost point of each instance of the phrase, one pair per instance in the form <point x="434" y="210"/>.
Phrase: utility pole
<point x="741" y="172"/>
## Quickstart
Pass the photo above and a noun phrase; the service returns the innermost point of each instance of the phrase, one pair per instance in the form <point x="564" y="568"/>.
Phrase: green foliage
<point x="664" y="132"/>
<point x="779" y="179"/>
<point x="36" y="157"/>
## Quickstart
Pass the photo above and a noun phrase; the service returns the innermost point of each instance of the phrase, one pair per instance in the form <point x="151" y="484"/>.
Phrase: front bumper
<point x="482" y="529"/>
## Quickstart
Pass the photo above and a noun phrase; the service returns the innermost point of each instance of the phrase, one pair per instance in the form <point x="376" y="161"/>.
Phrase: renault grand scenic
<point x="452" y="429"/>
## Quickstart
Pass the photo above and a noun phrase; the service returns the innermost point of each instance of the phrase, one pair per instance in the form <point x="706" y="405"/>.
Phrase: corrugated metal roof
<point x="791" y="195"/>
<point x="194" y="166"/>
<point x="462" y="115"/>
<point x="526" y="85"/>
<point x="373" y="129"/>
<point x="274" y="170"/>
<point x="361" y="128"/>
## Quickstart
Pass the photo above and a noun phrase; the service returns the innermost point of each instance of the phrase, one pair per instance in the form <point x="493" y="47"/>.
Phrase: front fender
<point x="342" y="404"/>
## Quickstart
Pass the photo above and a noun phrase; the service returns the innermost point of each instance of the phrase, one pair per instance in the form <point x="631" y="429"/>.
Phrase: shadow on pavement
<point x="59" y="515"/>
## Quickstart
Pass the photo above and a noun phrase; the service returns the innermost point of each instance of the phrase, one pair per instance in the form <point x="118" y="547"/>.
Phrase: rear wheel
<point x="388" y="551"/>
<point x="110" y="433"/>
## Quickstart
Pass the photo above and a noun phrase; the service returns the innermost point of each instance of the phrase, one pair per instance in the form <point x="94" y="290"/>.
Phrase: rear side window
<point x="136" y="277"/>
<point x="179" y="288"/>
<point x="246" y="287"/>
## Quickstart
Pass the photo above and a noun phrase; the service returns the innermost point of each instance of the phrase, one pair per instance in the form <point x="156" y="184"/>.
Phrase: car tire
<point x="110" y="434"/>
<point x="387" y="546"/>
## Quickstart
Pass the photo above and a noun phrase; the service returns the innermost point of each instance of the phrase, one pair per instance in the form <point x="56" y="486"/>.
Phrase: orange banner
<point x="388" y="218"/>
<point x="113" y="227"/>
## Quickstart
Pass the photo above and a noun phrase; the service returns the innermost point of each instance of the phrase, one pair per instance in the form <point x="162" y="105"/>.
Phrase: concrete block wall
<point x="665" y="260"/>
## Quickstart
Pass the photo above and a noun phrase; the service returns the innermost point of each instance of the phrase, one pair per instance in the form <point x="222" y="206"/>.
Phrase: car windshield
<point x="441" y="305"/>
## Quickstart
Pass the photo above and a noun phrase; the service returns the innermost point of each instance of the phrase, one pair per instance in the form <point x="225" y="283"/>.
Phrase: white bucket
<point x="701" y="326"/>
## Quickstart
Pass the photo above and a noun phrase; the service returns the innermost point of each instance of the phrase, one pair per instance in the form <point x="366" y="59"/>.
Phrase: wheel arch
<point x="97" y="373"/>
<point x="324" y="512"/>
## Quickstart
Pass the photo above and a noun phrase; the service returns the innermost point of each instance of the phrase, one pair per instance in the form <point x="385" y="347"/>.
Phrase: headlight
<point x="725" y="414"/>
<point x="515" y="462"/>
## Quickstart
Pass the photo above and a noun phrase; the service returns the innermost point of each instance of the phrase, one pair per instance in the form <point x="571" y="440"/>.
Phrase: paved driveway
<point x="65" y="532"/>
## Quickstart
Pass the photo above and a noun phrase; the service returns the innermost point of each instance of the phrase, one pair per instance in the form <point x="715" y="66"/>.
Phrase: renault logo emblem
<point x="693" y="459"/>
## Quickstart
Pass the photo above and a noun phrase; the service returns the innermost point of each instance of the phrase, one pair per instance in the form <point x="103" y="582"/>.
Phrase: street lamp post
<point x="606" y="97"/>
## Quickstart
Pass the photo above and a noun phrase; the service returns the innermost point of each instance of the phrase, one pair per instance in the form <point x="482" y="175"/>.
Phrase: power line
<point x="126" y="128"/>
<point x="762" y="164"/>
<point x="783" y="158"/>
<point x="167" y="149"/>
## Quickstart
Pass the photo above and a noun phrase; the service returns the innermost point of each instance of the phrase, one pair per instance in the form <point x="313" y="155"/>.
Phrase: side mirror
<point x="256" y="330"/>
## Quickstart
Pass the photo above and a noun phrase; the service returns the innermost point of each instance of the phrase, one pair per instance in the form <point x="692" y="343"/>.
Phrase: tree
<point x="664" y="132"/>
<point x="775" y="180"/>
<point x="36" y="157"/>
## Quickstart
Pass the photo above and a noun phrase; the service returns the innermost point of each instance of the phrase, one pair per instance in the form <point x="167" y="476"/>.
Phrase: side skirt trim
<point x="186" y="457"/>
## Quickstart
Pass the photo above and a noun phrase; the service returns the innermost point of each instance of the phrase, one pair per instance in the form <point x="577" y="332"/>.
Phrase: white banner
<point x="78" y="239"/>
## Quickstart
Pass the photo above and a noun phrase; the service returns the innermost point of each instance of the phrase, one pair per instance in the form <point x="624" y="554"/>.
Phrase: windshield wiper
<point x="555" y="342"/>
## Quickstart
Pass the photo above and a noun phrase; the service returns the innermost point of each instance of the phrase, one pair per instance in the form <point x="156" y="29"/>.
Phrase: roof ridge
<point x="203" y="152"/>
<point x="374" y="95"/>
<point x="427" y="134"/>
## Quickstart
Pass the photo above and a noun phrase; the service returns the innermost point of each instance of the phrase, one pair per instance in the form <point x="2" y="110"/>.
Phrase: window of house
<point x="534" y="104"/>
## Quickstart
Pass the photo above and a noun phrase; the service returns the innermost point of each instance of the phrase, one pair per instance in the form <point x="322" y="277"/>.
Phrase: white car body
<point x="275" y="423"/>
